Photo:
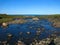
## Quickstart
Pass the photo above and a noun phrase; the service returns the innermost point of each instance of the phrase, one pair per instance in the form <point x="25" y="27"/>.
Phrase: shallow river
<point x="44" y="26"/>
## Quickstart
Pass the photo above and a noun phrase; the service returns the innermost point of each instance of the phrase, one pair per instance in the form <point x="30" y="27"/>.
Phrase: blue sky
<point x="30" y="6"/>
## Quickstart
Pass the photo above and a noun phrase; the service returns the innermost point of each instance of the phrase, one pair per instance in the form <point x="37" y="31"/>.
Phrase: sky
<point x="29" y="6"/>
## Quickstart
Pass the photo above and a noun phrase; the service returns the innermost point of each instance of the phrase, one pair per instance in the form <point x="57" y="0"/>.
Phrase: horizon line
<point x="29" y="14"/>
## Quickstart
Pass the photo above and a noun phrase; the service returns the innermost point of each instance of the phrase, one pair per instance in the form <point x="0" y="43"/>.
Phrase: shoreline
<point x="55" y="19"/>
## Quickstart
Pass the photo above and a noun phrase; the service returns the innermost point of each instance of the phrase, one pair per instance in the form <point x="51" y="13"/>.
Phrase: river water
<point x="46" y="29"/>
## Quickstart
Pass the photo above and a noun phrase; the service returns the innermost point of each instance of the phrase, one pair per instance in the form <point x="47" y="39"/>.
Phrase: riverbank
<point x="55" y="19"/>
<point x="55" y="22"/>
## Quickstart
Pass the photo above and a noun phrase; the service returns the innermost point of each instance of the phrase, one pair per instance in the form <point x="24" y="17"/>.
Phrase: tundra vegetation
<point x="54" y="18"/>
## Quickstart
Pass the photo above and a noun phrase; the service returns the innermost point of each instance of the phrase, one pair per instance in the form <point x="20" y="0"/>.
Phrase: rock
<point x="57" y="40"/>
<point x="20" y="43"/>
<point x="9" y="35"/>
<point x="4" y="24"/>
<point x="38" y="32"/>
<point x="28" y="33"/>
<point x="4" y="42"/>
<point x="56" y="24"/>
<point x="35" y="18"/>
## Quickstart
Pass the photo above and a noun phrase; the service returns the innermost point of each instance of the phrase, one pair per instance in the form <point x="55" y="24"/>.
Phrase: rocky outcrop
<point x="47" y="41"/>
<point x="56" y="24"/>
<point x="35" y="18"/>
